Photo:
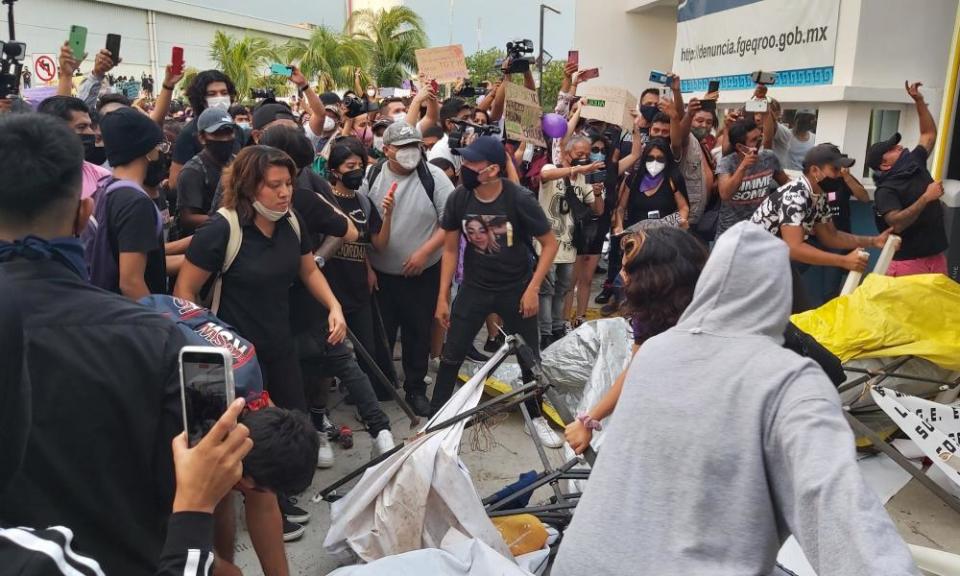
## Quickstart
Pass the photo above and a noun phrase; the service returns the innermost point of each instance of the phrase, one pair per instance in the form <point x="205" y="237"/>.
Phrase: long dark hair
<point x="662" y="266"/>
<point x="197" y="90"/>
<point x="671" y="174"/>
<point x="243" y="177"/>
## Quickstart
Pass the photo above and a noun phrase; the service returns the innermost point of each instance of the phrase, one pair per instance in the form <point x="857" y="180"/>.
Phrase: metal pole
<point x="543" y="7"/>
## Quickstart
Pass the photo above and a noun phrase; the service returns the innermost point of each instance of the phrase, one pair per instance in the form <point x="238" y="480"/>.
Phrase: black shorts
<point x="593" y="246"/>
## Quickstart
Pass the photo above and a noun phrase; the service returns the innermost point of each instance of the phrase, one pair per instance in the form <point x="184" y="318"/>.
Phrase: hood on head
<point x="745" y="288"/>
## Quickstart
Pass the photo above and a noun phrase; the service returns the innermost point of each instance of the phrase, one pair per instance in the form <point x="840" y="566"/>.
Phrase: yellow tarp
<point x="887" y="317"/>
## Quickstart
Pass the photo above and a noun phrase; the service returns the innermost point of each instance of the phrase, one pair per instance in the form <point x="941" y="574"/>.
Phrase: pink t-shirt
<point x="92" y="174"/>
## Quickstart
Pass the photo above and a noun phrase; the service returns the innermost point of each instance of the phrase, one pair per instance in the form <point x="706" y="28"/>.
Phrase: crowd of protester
<point x="332" y="223"/>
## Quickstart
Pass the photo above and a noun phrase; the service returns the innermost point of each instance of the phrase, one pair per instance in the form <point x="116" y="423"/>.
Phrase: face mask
<point x="245" y="126"/>
<point x="352" y="179"/>
<point x="598" y="157"/>
<point x="378" y="143"/>
<point x="648" y="112"/>
<point x="399" y="117"/>
<point x="91" y="152"/>
<point x="469" y="178"/>
<point x="156" y="172"/>
<point x="328" y="124"/>
<point x="700" y="133"/>
<point x="363" y="135"/>
<point x="528" y="153"/>
<point x="220" y="151"/>
<point x="408" y="158"/>
<point x="222" y="102"/>
<point x="655" y="167"/>
<point x="580" y="162"/>
<point x="271" y="215"/>
<point x="371" y="93"/>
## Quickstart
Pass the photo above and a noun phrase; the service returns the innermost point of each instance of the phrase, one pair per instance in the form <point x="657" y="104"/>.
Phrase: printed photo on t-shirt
<point x="487" y="234"/>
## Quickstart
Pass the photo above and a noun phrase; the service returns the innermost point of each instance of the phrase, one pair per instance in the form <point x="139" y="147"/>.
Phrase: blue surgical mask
<point x="598" y="157"/>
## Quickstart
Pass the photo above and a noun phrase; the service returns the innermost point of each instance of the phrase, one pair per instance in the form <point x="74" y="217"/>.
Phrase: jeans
<point x="323" y="361"/>
<point x="408" y="304"/>
<point x="469" y="311"/>
<point x="364" y="326"/>
<point x="614" y="263"/>
<point x="553" y="291"/>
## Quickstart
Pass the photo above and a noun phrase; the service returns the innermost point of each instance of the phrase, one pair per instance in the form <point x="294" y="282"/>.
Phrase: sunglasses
<point x="598" y="150"/>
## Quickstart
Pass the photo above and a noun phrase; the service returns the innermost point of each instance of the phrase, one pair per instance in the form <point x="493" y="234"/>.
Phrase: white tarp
<point x="729" y="39"/>
<point x="414" y="498"/>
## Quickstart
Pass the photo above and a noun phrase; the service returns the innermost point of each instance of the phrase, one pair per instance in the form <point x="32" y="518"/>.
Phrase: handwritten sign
<point x="608" y="104"/>
<point x="522" y="114"/>
<point x="444" y="64"/>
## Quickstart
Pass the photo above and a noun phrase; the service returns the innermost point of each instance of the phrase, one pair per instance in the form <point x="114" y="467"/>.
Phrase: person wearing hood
<point x="908" y="198"/>
<point x="691" y="501"/>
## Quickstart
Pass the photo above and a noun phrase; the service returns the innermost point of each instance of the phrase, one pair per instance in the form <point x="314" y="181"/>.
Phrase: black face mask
<point x="221" y="151"/>
<point x="352" y="179"/>
<point x="648" y="112"/>
<point x="157" y="171"/>
<point x="580" y="162"/>
<point x="469" y="178"/>
<point x="91" y="152"/>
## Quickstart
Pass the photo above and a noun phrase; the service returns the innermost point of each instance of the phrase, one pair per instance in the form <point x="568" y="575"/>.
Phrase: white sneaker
<point x="325" y="453"/>
<point x="433" y="365"/>
<point x="545" y="433"/>
<point x="383" y="443"/>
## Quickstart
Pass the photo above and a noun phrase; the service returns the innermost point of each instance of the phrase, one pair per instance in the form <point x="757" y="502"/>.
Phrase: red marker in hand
<point x="392" y="190"/>
<point x="387" y="205"/>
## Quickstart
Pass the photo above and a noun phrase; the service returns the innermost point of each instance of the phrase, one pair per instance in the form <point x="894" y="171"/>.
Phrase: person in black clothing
<point x="656" y="191"/>
<point x="92" y="357"/>
<point x="209" y="89"/>
<point x="200" y="177"/>
<point x="135" y="233"/>
<point x="497" y="273"/>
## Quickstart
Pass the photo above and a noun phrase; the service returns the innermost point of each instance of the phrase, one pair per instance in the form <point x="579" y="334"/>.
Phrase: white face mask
<point x="222" y="102"/>
<point x="528" y="153"/>
<point x="378" y="143"/>
<point x="399" y="117"/>
<point x="371" y="93"/>
<point x="408" y="158"/>
<point x="655" y="167"/>
<point x="328" y="124"/>
<point x="244" y="125"/>
<point x="271" y="215"/>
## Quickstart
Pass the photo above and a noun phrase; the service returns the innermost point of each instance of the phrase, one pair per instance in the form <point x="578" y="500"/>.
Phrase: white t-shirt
<point x="553" y="203"/>
<point x="442" y="150"/>
<point x="797" y="150"/>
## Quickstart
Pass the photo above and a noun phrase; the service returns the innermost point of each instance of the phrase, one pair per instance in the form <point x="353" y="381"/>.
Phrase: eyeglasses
<point x="597" y="150"/>
<point x="164" y="147"/>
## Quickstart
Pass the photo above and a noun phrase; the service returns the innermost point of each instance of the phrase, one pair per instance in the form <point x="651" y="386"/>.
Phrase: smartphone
<point x="713" y="86"/>
<point x="755" y="106"/>
<point x="281" y="70"/>
<point x="573" y="57"/>
<point x="78" y="41"/>
<point x="589" y="74"/>
<point x="659" y="78"/>
<point x="761" y="77"/>
<point x="435" y="86"/>
<point x="206" y="388"/>
<point x="598" y="177"/>
<point x="113" y="46"/>
<point x="176" y="60"/>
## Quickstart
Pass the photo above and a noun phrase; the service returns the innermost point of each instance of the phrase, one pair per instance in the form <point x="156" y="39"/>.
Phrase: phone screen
<point x="176" y="59"/>
<point x="573" y="57"/>
<point x="589" y="74"/>
<point x="714" y="86"/>
<point x="281" y="69"/>
<point x="113" y="46"/>
<point x="203" y="379"/>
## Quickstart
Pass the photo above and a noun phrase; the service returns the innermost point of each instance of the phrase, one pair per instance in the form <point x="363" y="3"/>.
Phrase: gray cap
<point x="213" y="119"/>
<point x="401" y="134"/>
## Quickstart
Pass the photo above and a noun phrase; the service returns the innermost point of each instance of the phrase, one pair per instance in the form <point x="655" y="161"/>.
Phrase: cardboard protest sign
<point x="608" y="103"/>
<point x="522" y="114"/>
<point x="444" y="64"/>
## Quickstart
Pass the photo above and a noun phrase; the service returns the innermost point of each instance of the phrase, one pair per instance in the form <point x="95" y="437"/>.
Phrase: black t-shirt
<point x="642" y="207"/>
<point x="255" y="294"/>
<point x="499" y="235"/>
<point x="838" y="197"/>
<point x="132" y="217"/>
<point x="925" y="237"/>
<point x="196" y="186"/>
<point x="188" y="143"/>
<point x="347" y="270"/>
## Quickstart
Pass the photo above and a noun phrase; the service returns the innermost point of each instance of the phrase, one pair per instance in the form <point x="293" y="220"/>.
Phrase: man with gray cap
<point x="126" y="253"/>
<point x="200" y="176"/>
<point x="408" y="269"/>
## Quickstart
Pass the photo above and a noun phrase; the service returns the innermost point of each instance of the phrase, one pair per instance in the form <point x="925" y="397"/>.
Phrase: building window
<point x="883" y="124"/>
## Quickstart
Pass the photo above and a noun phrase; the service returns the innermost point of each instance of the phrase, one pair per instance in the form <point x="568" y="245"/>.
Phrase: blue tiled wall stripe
<point x="785" y="78"/>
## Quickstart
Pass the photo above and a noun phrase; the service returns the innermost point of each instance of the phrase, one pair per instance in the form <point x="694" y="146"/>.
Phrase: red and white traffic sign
<point x="45" y="67"/>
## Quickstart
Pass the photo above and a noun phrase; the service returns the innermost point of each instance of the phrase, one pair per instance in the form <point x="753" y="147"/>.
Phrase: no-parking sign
<point x="45" y="67"/>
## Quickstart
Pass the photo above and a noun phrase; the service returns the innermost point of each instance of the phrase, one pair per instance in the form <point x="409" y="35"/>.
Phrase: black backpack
<point x="423" y="172"/>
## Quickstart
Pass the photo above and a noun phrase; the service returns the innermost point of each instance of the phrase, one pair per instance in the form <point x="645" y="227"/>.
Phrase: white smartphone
<point x="755" y="106"/>
<point x="206" y="388"/>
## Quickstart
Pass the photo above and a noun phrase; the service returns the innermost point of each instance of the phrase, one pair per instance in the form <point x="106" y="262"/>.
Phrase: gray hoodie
<point x="724" y="443"/>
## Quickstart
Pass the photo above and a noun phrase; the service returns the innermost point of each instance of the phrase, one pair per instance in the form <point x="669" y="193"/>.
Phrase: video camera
<point x="355" y="106"/>
<point x="12" y="54"/>
<point x="519" y="64"/>
<point x="468" y="90"/>
<point x="263" y="94"/>
<point x="465" y="127"/>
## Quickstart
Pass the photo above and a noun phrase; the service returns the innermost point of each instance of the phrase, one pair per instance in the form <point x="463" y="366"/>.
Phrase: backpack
<point x="423" y="172"/>
<point x="98" y="251"/>
<point x="201" y="328"/>
<point x="586" y="224"/>
<point x="234" y="240"/>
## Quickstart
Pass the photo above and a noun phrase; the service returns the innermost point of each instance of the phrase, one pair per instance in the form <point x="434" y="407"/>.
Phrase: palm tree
<point x="328" y="57"/>
<point x="389" y="38"/>
<point x="244" y="60"/>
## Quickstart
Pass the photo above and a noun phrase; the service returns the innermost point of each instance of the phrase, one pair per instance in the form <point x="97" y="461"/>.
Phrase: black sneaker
<point x="419" y="403"/>
<point x="475" y="355"/>
<point x="604" y="296"/>
<point x="601" y="270"/>
<point x="494" y="344"/>
<point x="545" y="341"/>
<point x="292" y="512"/>
<point x="558" y="334"/>
<point x="292" y="531"/>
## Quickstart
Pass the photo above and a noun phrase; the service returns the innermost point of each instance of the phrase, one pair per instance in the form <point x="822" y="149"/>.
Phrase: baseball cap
<point x="268" y="113"/>
<point x="824" y="154"/>
<point x="213" y="119"/>
<point x="401" y="134"/>
<point x="876" y="151"/>
<point x="484" y="148"/>
<point x="128" y="134"/>
<point x="333" y="108"/>
<point x="382" y="123"/>
<point x="329" y="98"/>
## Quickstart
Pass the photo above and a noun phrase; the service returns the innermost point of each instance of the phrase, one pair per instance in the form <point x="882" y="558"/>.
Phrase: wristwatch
<point x="320" y="260"/>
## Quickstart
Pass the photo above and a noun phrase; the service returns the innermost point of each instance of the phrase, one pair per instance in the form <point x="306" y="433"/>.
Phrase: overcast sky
<point x="499" y="20"/>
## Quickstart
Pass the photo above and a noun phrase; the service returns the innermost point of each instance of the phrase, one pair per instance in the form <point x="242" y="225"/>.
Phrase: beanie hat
<point x="128" y="134"/>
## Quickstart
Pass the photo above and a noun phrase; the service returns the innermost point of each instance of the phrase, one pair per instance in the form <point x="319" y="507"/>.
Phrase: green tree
<point x="244" y="60"/>
<point x="483" y="65"/>
<point x="389" y="39"/>
<point x="551" y="82"/>
<point x="328" y="57"/>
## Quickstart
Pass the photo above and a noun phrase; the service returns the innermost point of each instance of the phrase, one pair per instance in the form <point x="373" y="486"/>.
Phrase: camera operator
<point x="455" y="108"/>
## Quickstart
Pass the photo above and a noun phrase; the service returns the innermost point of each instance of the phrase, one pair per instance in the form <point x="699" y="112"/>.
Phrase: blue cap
<point x="484" y="148"/>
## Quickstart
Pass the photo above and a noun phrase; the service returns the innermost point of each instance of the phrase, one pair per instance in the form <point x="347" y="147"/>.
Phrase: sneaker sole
<point x="298" y="519"/>
<point x="295" y="535"/>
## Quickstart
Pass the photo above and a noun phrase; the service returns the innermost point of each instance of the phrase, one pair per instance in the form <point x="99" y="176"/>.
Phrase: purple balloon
<point x="554" y="125"/>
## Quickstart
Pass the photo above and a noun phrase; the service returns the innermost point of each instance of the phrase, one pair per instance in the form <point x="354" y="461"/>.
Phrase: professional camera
<point x="355" y="106"/>
<point x="263" y="94"/>
<point x="468" y="90"/>
<point x="12" y="54"/>
<point x="519" y="63"/>
<point x="465" y="127"/>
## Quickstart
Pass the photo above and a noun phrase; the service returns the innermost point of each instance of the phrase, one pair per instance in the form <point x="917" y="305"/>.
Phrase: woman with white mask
<point x="656" y="191"/>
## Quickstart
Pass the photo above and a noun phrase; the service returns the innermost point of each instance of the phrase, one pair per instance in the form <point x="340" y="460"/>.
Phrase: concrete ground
<point x="498" y="459"/>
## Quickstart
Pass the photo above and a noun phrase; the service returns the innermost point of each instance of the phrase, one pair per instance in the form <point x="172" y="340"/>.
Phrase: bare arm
<point x="829" y="236"/>
<point x="381" y="239"/>
<point x="528" y="80"/>
<point x="193" y="218"/>
<point x="630" y="159"/>
<point x="499" y="101"/>
<point x="801" y="251"/>
<point x="448" y="266"/>
<point x="683" y="207"/>
<point x="623" y="197"/>
<point x="162" y="106"/>
<point x="68" y="65"/>
<point x="487" y="103"/>
<point x="928" y="128"/>
<point x="781" y="177"/>
<point x="512" y="169"/>
<point x="900" y="220"/>
<point x="769" y="130"/>
<point x="132" y="267"/>
<point x="266" y="531"/>
<point x="190" y="281"/>
<point x="859" y="192"/>
<point x="730" y="183"/>
<point x="177" y="246"/>
<point x="605" y="406"/>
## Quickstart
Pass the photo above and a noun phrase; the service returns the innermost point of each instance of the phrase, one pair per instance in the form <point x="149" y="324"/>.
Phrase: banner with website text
<point x="727" y="40"/>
